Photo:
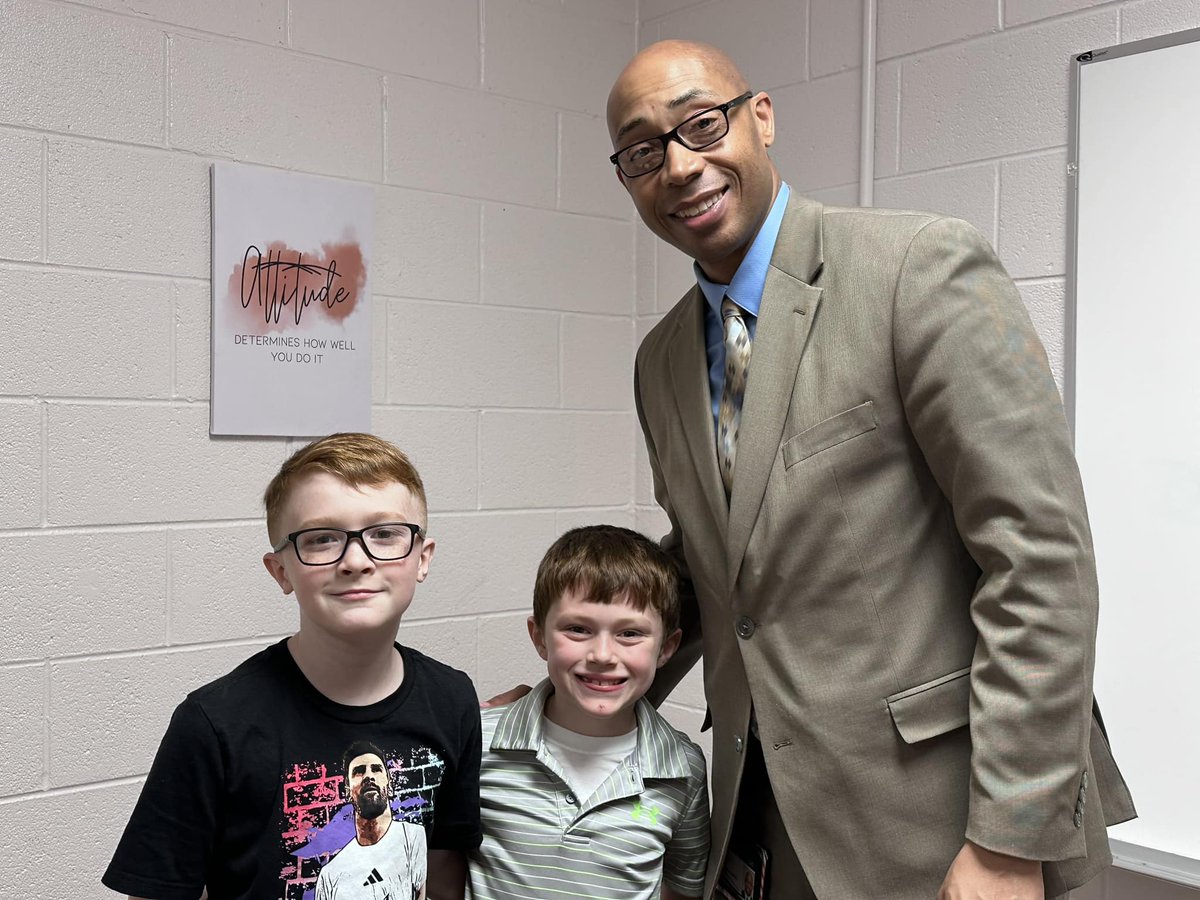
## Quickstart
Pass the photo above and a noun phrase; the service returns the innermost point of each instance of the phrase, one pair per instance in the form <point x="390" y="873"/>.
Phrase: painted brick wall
<point x="504" y="326"/>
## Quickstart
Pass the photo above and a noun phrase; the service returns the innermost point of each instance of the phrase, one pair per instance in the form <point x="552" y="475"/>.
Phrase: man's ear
<point x="535" y="635"/>
<point x="764" y="115"/>
<point x="275" y="567"/>
<point x="669" y="645"/>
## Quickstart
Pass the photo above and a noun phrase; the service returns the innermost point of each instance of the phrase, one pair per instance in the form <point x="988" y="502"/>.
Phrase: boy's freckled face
<point x="601" y="658"/>
<point x="356" y="595"/>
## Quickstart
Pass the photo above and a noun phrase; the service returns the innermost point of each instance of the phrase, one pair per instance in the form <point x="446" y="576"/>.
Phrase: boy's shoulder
<point x="262" y="674"/>
<point x="516" y="725"/>
<point x="491" y="717"/>
<point x="431" y="667"/>
<point x="433" y="674"/>
<point x="662" y="738"/>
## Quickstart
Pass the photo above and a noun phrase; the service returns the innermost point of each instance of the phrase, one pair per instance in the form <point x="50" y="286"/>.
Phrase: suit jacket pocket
<point x="830" y="432"/>
<point x="932" y="708"/>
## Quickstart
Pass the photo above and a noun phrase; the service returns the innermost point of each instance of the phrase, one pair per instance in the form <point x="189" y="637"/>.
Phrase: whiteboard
<point x="1133" y="391"/>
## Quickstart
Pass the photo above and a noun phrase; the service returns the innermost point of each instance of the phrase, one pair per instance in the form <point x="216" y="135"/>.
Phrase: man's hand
<point x="979" y="874"/>
<point x="510" y="696"/>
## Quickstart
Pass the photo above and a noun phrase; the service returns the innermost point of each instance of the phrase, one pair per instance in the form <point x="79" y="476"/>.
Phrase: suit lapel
<point x="689" y="378"/>
<point x="789" y="306"/>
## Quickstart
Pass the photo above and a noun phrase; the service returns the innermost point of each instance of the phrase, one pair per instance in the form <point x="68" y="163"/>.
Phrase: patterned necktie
<point x="729" y="412"/>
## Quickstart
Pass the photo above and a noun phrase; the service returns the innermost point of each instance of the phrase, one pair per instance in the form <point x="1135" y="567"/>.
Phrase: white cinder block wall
<point x="511" y="284"/>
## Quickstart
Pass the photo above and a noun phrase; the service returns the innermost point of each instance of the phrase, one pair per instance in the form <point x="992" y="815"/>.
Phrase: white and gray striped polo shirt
<point x="647" y="823"/>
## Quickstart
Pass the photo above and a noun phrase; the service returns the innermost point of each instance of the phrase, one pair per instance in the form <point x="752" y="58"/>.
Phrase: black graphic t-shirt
<point x="260" y="780"/>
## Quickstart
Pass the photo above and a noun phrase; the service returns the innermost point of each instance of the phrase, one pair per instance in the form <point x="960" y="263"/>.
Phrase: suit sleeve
<point x="690" y="646"/>
<point x="982" y="404"/>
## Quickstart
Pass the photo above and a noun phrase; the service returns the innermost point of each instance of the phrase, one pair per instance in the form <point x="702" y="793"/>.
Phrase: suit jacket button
<point x="737" y="743"/>
<point x="1078" y="819"/>
<point x="745" y="627"/>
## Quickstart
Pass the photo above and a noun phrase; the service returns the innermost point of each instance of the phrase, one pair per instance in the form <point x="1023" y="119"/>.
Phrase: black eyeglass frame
<point x="417" y="532"/>
<point x="673" y="135"/>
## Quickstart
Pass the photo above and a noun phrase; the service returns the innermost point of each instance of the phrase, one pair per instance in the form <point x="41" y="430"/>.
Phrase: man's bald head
<point x="664" y="61"/>
<point x="706" y="195"/>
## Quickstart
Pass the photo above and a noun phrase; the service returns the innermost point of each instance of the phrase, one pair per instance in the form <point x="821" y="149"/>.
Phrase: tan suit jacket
<point x="902" y="583"/>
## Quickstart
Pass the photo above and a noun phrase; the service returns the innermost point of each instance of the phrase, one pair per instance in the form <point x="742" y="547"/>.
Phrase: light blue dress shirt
<point x="745" y="290"/>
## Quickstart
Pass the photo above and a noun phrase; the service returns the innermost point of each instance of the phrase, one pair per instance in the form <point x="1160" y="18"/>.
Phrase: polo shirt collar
<point x="520" y="725"/>
<point x="659" y="752"/>
<point x="659" y="749"/>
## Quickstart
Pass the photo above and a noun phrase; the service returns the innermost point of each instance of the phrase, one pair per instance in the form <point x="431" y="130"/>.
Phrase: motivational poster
<point x="291" y="303"/>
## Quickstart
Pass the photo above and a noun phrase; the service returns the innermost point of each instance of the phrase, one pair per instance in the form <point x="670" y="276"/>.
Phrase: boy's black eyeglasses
<point x="385" y="542"/>
<point x="695" y="132"/>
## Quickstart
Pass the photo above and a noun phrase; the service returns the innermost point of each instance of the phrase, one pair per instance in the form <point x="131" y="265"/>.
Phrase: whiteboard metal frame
<point x="1155" y="863"/>
<point x="1133" y="857"/>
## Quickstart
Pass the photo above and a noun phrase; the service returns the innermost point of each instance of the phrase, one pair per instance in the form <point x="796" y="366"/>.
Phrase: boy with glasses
<point x="586" y="792"/>
<point x="252" y="793"/>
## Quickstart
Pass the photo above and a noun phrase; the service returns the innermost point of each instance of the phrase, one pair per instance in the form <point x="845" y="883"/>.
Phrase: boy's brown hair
<point x="356" y="458"/>
<point x="607" y="562"/>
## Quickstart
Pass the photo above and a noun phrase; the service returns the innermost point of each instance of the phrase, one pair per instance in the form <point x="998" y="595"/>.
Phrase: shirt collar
<point x="660" y="752"/>
<point x="746" y="289"/>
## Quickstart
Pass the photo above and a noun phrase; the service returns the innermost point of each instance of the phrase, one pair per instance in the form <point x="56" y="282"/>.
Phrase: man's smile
<point x="693" y="207"/>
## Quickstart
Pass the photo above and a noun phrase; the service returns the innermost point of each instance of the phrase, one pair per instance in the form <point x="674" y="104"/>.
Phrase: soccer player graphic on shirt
<point x="386" y="859"/>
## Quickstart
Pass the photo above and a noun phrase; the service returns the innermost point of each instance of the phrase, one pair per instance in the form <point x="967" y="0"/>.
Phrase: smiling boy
<point x="329" y="761"/>
<point x="585" y="791"/>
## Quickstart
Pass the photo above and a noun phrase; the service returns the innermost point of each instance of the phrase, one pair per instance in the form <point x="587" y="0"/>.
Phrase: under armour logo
<point x="649" y="812"/>
<point x="373" y="878"/>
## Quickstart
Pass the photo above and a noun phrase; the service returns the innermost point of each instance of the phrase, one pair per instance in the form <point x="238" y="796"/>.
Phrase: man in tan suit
<point x="895" y="596"/>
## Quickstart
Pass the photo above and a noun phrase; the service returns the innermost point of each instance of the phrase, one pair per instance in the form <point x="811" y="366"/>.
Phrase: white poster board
<point x="291" y="303"/>
<point x="1134" y="389"/>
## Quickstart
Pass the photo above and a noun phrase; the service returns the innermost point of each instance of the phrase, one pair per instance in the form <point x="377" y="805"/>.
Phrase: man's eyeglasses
<point x="695" y="132"/>
<point x="384" y="542"/>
